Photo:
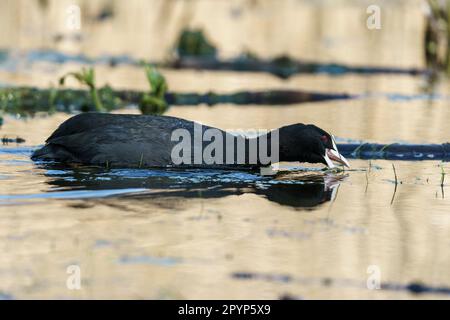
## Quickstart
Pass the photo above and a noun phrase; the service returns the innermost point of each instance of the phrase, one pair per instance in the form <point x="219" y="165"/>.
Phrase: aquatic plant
<point x="27" y="100"/>
<point x="141" y="161"/>
<point x="367" y="180"/>
<point x="437" y="36"/>
<point x="396" y="151"/>
<point x="195" y="44"/>
<point x="248" y="55"/>
<point x="284" y="61"/>
<point x="357" y="152"/>
<point x="86" y="77"/>
<point x="112" y="98"/>
<point x="107" y="12"/>
<point x="154" y="102"/>
<point x="395" y="174"/>
<point x="396" y="183"/>
<point x="382" y="150"/>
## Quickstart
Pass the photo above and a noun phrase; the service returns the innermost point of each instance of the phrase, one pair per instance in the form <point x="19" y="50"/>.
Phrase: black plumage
<point x="118" y="140"/>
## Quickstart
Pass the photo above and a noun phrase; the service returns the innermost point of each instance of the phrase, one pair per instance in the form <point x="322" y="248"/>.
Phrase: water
<point x="186" y="234"/>
<point x="165" y="234"/>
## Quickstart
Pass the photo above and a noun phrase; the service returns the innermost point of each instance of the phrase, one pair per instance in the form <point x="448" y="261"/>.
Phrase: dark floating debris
<point x="193" y="43"/>
<point x="266" y="277"/>
<point x="396" y="151"/>
<point x="17" y="140"/>
<point x="195" y="51"/>
<point x="107" y="12"/>
<point x="288" y="296"/>
<point x="413" y="287"/>
<point x="270" y="97"/>
<point x="28" y="100"/>
<point x="416" y="288"/>
<point x="283" y="66"/>
<point x="194" y="54"/>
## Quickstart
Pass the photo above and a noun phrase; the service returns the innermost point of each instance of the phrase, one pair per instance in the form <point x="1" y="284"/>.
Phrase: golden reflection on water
<point x="188" y="241"/>
<point x="324" y="31"/>
<point x="188" y="247"/>
<point x="390" y="108"/>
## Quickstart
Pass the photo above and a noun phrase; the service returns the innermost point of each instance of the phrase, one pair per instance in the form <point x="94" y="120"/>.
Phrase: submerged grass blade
<point x="395" y="174"/>
<point x="356" y="152"/>
<point x="384" y="148"/>
<point x="396" y="183"/>
<point x="367" y="181"/>
<point x="141" y="160"/>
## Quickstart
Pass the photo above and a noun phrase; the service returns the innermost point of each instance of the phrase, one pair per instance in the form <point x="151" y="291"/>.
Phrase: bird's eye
<point x="324" y="138"/>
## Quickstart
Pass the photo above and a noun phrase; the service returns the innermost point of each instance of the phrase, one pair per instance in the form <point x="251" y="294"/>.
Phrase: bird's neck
<point x="263" y="149"/>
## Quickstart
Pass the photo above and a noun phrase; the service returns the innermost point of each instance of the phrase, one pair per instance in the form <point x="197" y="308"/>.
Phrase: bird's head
<point x="308" y="143"/>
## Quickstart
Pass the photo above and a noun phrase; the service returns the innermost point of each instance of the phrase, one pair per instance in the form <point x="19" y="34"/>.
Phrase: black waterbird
<point x="127" y="141"/>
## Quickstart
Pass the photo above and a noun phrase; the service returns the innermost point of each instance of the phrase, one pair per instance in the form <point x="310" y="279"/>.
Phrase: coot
<point x="127" y="141"/>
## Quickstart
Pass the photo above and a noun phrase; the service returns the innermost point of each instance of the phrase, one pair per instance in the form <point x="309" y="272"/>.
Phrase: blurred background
<point x="42" y="40"/>
<point x="367" y="71"/>
<point x="324" y="30"/>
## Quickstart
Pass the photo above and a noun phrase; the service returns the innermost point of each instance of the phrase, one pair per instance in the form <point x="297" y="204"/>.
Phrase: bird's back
<point x="114" y="140"/>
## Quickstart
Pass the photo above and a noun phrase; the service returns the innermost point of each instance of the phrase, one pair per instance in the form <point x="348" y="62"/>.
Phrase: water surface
<point x="193" y="234"/>
<point x="166" y="234"/>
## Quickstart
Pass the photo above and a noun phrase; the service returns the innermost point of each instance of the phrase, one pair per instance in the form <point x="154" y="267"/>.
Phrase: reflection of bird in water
<point x="306" y="195"/>
<point x="297" y="190"/>
<point x="305" y="189"/>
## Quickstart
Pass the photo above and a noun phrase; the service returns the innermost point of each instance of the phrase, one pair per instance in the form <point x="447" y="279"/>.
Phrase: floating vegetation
<point x="193" y="43"/>
<point x="442" y="175"/>
<point x="5" y="140"/>
<point x="270" y="97"/>
<point x="154" y="102"/>
<point x="396" y="151"/>
<point x="411" y="287"/>
<point x="282" y="66"/>
<point x="437" y="35"/>
<point x="442" y="180"/>
<point x="195" y="51"/>
<point x="27" y="101"/>
<point x="107" y="12"/>
<point x="86" y="77"/>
